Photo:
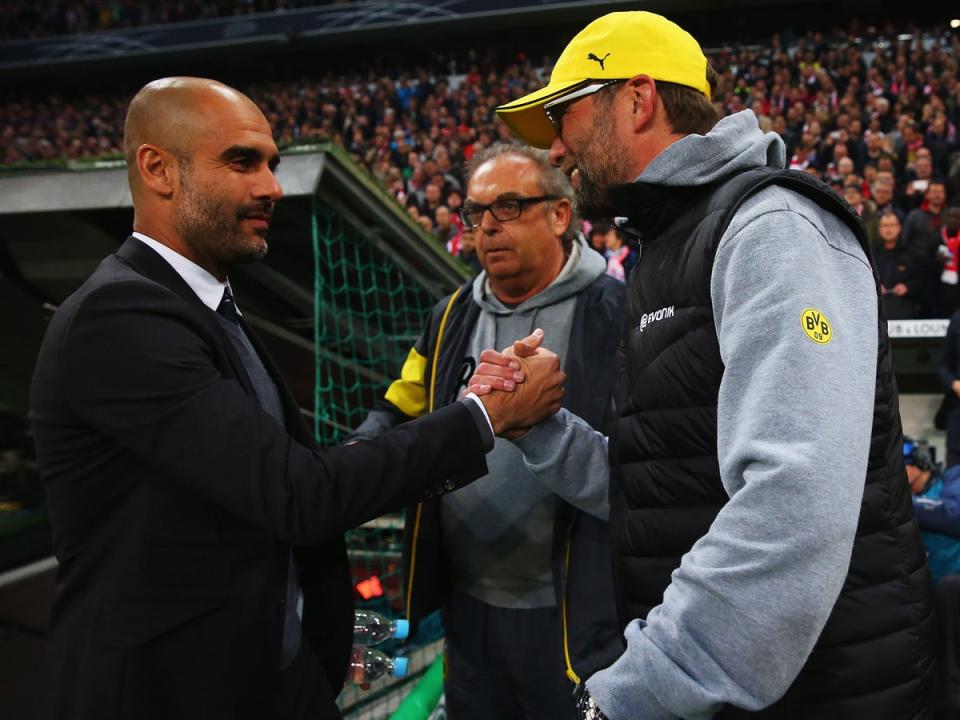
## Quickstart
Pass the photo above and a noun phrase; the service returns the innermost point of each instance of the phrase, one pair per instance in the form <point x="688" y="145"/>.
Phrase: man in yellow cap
<point x="765" y="553"/>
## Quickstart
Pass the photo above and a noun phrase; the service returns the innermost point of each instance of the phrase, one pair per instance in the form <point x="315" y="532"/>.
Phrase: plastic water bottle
<point x="370" y="628"/>
<point x="368" y="664"/>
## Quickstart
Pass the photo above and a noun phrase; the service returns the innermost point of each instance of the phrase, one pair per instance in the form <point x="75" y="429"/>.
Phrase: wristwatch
<point x="586" y="706"/>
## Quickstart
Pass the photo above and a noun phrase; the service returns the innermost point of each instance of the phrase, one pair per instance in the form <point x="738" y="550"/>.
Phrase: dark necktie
<point x="228" y="308"/>
<point x="292" y="630"/>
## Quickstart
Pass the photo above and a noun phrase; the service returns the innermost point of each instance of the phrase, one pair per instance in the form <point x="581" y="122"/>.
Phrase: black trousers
<point x="953" y="437"/>
<point x="948" y="618"/>
<point x="504" y="664"/>
<point x="303" y="692"/>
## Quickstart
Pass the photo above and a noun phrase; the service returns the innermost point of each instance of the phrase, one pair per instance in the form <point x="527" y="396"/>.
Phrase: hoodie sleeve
<point x="570" y="458"/>
<point x="796" y="316"/>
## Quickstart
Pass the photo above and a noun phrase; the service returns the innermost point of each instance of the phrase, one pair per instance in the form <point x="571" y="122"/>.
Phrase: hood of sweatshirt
<point x="582" y="267"/>
<point x="736" y="143"/>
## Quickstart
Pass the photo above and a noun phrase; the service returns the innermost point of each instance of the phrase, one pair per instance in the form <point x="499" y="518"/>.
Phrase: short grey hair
<point x="552" y="180"/>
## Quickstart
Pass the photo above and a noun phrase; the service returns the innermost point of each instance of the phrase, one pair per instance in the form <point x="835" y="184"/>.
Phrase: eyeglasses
<point x="503" y="210"/>
<point x="557" y="108"/>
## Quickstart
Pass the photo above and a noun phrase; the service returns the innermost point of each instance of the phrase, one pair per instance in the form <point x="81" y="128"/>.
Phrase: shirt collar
<point x="206" y="286"/>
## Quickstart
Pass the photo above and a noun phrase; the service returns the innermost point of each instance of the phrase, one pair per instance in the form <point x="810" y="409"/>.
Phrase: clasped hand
<point x="520" y="386"/>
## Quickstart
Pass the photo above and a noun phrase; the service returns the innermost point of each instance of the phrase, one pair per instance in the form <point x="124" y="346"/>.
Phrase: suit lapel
<point x="152" y="266"/>
<point x="295" y="424"/>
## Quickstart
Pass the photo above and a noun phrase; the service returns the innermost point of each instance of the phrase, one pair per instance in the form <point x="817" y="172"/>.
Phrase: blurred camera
<point x="918" y="455"/>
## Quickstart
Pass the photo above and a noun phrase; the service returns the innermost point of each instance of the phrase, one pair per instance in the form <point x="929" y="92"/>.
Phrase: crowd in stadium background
<point x="22" y="18"/>
<point x="872" y="111"/>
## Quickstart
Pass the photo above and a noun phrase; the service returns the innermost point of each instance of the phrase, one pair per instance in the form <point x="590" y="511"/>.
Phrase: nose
<point x="488" y="223"/>
<point x="558" y="152"/>
<point x="268" y="187"/>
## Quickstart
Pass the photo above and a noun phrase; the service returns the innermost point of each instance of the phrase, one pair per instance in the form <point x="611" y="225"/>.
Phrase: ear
<point x="561" y="215"/>
<point x="642" y="92"/>
<point x="158" y="169"/>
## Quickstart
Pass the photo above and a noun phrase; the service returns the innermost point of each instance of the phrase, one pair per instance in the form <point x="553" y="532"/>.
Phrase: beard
<point x="601" y="164"/>
<point x="214" y="230"/>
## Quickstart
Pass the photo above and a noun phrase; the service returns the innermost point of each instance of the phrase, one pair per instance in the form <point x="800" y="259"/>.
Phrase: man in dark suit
<point x="198" y="528"/>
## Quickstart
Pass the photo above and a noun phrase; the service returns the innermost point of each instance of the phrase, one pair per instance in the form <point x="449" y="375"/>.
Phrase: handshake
<point x="520" y="386"/>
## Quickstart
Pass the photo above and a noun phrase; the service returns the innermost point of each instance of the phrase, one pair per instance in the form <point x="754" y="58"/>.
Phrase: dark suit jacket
<point x="174" y="500"/>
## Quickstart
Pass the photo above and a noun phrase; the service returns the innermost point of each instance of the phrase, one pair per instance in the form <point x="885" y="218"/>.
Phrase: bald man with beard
<point x="198" y="527"/>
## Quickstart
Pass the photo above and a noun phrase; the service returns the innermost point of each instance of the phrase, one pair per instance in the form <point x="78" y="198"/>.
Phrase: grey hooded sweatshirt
<point x="498" y="531"/>
<point x="745" y="607"/>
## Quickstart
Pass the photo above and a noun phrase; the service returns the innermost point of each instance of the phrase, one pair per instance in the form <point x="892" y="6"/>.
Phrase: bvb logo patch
<point x="816" y="326"/>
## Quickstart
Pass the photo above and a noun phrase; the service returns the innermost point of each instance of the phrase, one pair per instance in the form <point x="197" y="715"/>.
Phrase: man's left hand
<point x="501" y="370"/>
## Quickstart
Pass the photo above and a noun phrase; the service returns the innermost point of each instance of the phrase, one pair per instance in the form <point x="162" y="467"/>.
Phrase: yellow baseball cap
<point x="616" y="46"/>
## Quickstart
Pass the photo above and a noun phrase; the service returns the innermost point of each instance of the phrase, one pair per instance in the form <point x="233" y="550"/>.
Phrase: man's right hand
<point x="535" y="399"/>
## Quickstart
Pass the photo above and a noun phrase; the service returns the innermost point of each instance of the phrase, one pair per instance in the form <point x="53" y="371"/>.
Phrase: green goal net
<point x="371" y="300"/>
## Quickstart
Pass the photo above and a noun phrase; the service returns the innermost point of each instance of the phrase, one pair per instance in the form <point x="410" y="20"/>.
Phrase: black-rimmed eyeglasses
<point x="503" y="209"/>
<point x="557" y="108"/>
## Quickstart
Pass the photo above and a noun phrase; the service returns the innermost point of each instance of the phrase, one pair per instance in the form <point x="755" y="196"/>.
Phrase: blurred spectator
<point x="949" y="373"/>
<point x="839" y="152"/>
<point x="597" y="237"/>
<point x="908" y="143"/>
<point x="941" y="139"/>
<point x="875" y="146"/>
<point x="853" y="194"/>
<point x="620" y="256"/>
<point x="949" y="255"/>
<point x="894" y="266"/>
<point x="870" y="173"/>
<point x="431" y="201"/>
<point x="921" y="234"/>
<point x="936" y="501"/>
<point x="446" y="230"/>
<point x="455" y="202"/>
<point x="845" y="169"/>
<point x="468" y="251"/>
<point x="883" y="200"/>
<point x="919" y="178"/>
<point x="426" y="223"/>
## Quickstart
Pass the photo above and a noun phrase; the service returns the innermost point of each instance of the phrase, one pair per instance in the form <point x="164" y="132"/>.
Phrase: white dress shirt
<point x="206" y="286"/>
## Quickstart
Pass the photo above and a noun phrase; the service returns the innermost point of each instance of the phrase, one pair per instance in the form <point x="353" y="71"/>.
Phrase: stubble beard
<point x="213" y="231"/>
<point x="601" y="164"/>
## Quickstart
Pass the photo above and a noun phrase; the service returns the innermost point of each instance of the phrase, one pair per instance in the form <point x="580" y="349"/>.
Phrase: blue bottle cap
<point x="400" y="667"/>
<point x="403" y="630"/>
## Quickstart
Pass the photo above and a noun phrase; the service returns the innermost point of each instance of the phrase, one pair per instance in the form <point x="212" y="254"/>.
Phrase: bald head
<point x="173" y="113"/>
<point x="201" y="159"/>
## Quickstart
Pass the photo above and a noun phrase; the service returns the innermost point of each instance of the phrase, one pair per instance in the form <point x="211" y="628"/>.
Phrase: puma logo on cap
<point x="593" y="57"/>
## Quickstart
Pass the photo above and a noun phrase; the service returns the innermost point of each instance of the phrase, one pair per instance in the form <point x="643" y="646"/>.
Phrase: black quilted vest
<point x="874" y="658"/>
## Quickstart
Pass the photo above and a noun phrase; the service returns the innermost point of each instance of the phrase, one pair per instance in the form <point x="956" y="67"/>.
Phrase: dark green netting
<point x="368" y="312"/>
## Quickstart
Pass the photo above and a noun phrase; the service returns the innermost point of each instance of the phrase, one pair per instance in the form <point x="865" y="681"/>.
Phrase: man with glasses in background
<point x="520" y="568"/>
<point x="766" y="558"/>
